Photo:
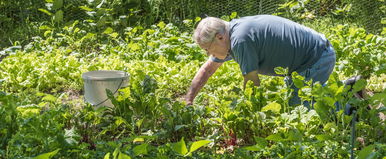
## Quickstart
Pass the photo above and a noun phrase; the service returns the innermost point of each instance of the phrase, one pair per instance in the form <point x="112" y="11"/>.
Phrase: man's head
<point x="212" y="34"/>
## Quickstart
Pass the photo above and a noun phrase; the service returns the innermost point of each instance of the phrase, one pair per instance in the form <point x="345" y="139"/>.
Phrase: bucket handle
<point x="113" y="93"/>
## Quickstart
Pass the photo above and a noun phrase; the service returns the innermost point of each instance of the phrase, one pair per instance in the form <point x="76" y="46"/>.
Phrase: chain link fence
<point x="369" y="14"/>
<point x="20" y="20"/>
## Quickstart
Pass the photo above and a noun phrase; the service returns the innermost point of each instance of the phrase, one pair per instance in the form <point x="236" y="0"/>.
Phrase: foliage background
<point x="48" y="44"/>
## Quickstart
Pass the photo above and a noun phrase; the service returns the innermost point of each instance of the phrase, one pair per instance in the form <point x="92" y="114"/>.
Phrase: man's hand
<point x="203" y="74"/>
<point x="188" y="101"/>
<point x="253" y="76"/>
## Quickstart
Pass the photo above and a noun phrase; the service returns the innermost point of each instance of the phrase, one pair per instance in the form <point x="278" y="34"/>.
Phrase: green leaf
<point x="379" y="98"/>
<point x="261" y="142"/>
<point x="178" y="127"/>
<point x="329" y="101"/>
<point x="233" y="15"/>
<point x="196" y="145"/>
<point x="116" y="152"/>
<point x="57" y="4"/>
<point x="322" y="110"/>
<point x="274" y="107"/>
<point x="107" y="156"/>
<point x="45" y="11"/>
<point x="275" y="137"/>
<point x="102" y="21"/>
<point x="359" y="85"/>
<point x="59" y="16"/>
<point x="298" y="82"/>
<point x="281" y="71"/>
<point x="123" y="156"/>
<point x="161" y="25"/>
<point x="49" y="98"/>
<point x="366" y="152"/>
<point x="71" y="136"/>
<point x="108" y="30"/>
<point x="47" y="155"/>
<point x="180" y="147"/>
<point x="141" y="149"/>
<point x="294" y="136"/>
<point x="119" y="121"/>
<point x="114" y="35"/>
<point x="323" y="137"/>
<point x="253" y="148"/>
<point x="86" y="8"/>
<point x="138" y="139"/>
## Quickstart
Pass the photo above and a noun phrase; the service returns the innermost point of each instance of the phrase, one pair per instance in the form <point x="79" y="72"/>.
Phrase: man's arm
<point x="203" y="74"/>
<point x="253" y="76"/>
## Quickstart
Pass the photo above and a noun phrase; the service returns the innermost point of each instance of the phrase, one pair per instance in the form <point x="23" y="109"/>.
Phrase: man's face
<point x="217" y="48"/>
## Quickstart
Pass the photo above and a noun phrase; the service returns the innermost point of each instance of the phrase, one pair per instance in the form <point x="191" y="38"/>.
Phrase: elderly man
<point x="259" y="44"/>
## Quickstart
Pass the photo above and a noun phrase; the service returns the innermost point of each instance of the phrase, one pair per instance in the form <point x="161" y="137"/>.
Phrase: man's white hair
<point x="207" y="29"/>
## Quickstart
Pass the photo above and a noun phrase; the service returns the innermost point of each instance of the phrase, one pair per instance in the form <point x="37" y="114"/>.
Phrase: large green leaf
<point x="196" y="145"/>
<point x="47" y="155"/>
<point x="107" y="156"/>
<point x="141" y="149"/>
<point x="359" y="85"/>
<point x="261" y="142"/>
<point x="123" y="156"/>
<point x="180" y="147"/>
<point x="57" y="4"/>
<point x="322" y="110"/>
<point x="59" y="16"/>
<point x="366" y="152"/>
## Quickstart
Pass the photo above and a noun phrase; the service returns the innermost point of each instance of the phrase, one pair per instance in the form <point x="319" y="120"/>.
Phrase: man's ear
<point x="220" y="36"/>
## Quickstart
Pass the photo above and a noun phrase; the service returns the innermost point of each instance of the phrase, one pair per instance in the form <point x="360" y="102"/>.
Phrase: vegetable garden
<point x="43" y="113"/>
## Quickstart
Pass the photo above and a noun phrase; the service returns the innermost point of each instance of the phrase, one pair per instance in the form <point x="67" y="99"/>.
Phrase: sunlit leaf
<point x="323" y="137"/>
<point x="49" y="98"/>
<point x="47" y="155"/>
<point x="180" y="147"/>
<point x="281" y="71"/>
<point x="86" y="8"/>
<point x="196" y="145"/>
<point x="123" y="156"/>
<point x="45" y="11"/>
<point x="138" y="139"/>
<point x="107" y="156"/>
<point x="274" y="107"/>
<point x="108" y="30"/>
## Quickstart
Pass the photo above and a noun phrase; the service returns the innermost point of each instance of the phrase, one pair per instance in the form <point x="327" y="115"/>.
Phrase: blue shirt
<point x="264" y="42"/>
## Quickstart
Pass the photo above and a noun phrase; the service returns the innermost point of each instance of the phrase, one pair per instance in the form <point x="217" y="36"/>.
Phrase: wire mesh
<point x="218" y="8"/>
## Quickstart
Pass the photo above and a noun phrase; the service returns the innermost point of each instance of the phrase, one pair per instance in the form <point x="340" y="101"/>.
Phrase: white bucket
<point x="96" y="83"/>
